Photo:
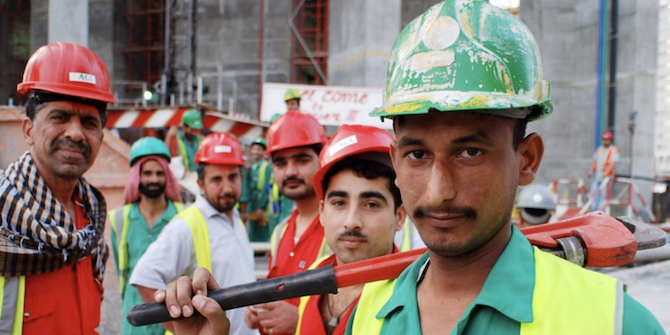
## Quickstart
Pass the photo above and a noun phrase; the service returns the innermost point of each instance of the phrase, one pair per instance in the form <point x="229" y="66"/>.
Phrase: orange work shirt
<point x="65" y="301"/>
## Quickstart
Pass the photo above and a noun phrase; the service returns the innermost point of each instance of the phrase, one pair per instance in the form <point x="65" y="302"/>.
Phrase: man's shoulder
<point x="637" y="319"/>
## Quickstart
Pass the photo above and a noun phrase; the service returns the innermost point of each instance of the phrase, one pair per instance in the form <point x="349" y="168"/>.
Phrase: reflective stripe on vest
<point x="198" y="226"/>
<point x="12" y="302"/>
<point x="120" y="222"/>
<point x="278" y="234"/>
<point x="181" y="146"/>
<point x="305" y="299"/>
<point x="196" y="222"/>
<point x="558" y="304"/>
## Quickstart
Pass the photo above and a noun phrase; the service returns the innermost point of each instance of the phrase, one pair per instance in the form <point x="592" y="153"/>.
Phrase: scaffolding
<point x="309" y="54"/>
<point x="145" y="50"/>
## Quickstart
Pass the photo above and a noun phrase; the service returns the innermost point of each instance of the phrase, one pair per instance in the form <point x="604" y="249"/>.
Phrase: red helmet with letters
<point x="220" y="148"/>
<point x="68" y="69"/>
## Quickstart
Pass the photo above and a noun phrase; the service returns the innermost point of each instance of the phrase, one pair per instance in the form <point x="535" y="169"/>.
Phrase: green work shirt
<point x="191" y="148"/>
<point x="256" y="196"/>
<point x="139" y="239"/>
<point x="504" y="301"/>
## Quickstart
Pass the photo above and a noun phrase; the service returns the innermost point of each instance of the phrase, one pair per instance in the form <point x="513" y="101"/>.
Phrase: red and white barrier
<point x="166" y="117"/>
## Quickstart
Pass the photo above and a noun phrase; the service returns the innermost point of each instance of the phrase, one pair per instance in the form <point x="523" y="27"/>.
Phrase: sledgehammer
<point x="594" y="240"/>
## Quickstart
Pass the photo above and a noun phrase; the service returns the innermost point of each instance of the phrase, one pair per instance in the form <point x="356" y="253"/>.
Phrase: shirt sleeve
<point x="169" y="257"/>
<point x="637" y="319"/>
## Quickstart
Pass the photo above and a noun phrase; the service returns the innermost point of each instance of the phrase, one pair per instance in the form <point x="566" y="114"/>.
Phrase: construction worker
<point x="255" y="201"/>
<point x="151" y="200"/>
<point x="536" y="204"/>
<point x="464" y="79"/>
<point x="52" y="221"/>
<point x="207" y="234"/>
<point x="604" y="160"/>
<point x="360" y="211"/>
<point x="294" y="143"/>
<point x="460" y="93"/>
<point x="292" y="99"/>
<point x="186" y="142"/>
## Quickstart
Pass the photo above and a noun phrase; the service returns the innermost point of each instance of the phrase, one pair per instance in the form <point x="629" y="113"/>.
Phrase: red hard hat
<point x="607" y="135"/>
<point x="68" y="69"/>
<point x="220" y="148"/>
<point x="294" y="129"/>
<point x="346" y="142"/>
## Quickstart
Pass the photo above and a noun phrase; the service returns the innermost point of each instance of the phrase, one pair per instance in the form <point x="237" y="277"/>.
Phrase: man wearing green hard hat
<point x="151" y="200"/>
<point x="463" y="81"/>
<point x="255" y="194"/>
<point x="186" y="142"/>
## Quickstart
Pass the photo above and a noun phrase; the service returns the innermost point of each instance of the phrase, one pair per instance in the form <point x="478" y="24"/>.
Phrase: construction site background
<point x="216" y="55"/>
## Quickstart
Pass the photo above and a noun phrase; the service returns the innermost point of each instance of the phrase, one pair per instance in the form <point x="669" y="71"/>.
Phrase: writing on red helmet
<point x="221" y="149"/>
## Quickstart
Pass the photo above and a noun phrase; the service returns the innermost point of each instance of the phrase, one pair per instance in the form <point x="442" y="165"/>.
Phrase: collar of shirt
<point x="512" y="298"/>
<point x="135" y="214"/>
<point x="208" y="211"/>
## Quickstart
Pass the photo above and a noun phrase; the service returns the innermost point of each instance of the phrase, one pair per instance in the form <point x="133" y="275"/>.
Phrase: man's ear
<point x="530" y="152"/>
<point x="27" y="126"/>
<point x="321" y="212"/>
<point x="400" y="217"/>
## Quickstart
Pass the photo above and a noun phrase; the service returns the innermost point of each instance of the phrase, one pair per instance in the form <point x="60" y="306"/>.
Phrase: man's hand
<point x="179" y="300"/>
<point x="260" y="217"/>
<point x="273" y="317"/>
<point x="172" y="131"/>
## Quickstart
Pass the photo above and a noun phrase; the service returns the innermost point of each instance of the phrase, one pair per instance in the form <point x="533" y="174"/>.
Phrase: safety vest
<point x="278" y="234"/>
<point x="580" y="293"/>
<point x="608" y="165"/>
<point x="408" y="231"/>
<point x="181" y="146"/>
<point x="12" y="304"/>
<point x="120" y="222"/>
<point x="198" y="226"/>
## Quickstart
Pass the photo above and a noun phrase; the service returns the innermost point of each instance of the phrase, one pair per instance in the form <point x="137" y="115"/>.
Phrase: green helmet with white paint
<point x="465" y="55"/>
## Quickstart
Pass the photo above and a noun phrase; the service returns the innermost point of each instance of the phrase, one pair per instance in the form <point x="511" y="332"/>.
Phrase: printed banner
<point x="331" y="105"/>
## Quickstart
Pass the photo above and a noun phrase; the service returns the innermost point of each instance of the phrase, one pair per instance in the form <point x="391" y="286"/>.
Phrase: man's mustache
<point x="421" y="212"/>
<point x="292" y="179"/>
<point x="68" y="143"/>
<point x="354" y="233"/>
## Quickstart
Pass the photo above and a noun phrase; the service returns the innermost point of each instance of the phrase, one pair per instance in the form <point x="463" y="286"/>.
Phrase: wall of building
<point x="228" y="50"/>
<point x="567" y="33"/>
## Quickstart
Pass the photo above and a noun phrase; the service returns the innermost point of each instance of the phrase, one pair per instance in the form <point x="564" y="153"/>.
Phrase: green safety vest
<point x="571" y="316"/>
<point x="120" y="222"/>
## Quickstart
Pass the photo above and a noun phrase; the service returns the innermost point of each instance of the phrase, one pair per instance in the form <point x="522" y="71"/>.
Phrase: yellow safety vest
<point x="408" y="230"/>
<point x="120" y="222"/>
<point x="198" y="226"/>
<point x="182" y="150"/>
<point x="561" y="290"/>
<point x="278" y="234"/>
<point x="12" y="302"/>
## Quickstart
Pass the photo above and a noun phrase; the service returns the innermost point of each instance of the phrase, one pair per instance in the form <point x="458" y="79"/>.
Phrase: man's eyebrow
<point x="407" y="141"/>
<point x="337" y="194"/>
<point x="373" y="194"/>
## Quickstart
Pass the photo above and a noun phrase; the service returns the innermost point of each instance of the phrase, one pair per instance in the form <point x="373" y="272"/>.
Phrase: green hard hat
<point x="192" y="119"/>
<point x="466" y="55"/>
<point x="147" y="146"/>
<point x="292" y="94"/>
<point x="261" y="141"/>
